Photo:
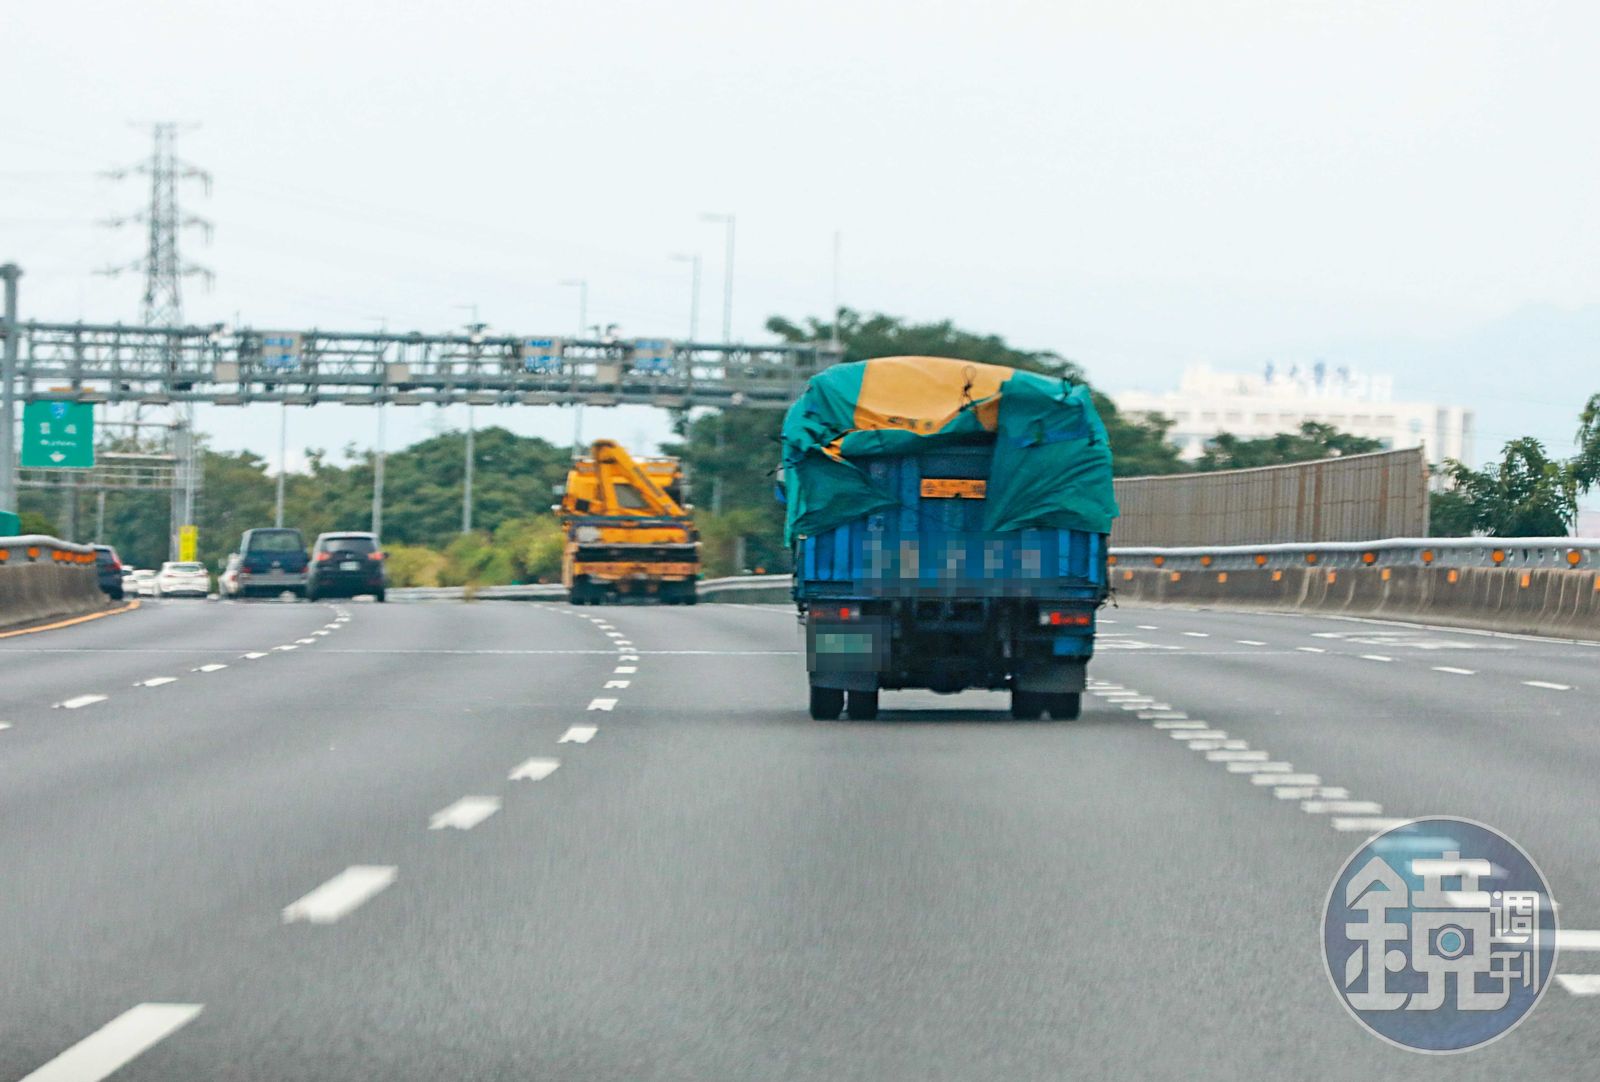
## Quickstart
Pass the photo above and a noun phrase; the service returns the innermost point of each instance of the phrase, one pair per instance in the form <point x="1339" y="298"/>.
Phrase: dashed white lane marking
<point x="1578" y="939"/>
<point x="1341" y="807"/>
<point x="602" y="704"/>
<point x="578" y="734"/>
<point x="1161" y="715"/>
<point x="213" y="667"/>
<point x="1198" y="734"/>
<point x="1235" y="756"/>
<point x="156" y="681"/>
<point x="305" y="642"/>
<point x="535" y="770"/>
<point x="342" y="894"/>
<point x="623" y="644"/>
<point x="321" y="631"/>
<point x="4" y="725"/>
<point x="1547" y="685"/>
<point x="1365" y="824"/>
<point x="1306" y="792"/>
<point x="1286" y="779"/>
<point x="1453" y="671"/>
<point x="465" y="813"/>
<point x="1376" y="657"/>
<point x="117" y="1043"/>
<point x="613" y="634"/>
<point x="1578" y="984"/>
<point x="628" y="657"/>
<point x="286" y="646"/>
<point x="1249" y="642"/>
<point x="1311" y="649"/>
<point x="1260" y="768"/>
<point x="617" y="683"/>
<point x="81" y="701"/>
<point x="1148" y="627"/>
<point x="329" y="627"/>
<point x="1186" y="724"/>
<point x="1219" y="745"/>
<point x="1198" y="634"/>
<point x="626" y="669"/>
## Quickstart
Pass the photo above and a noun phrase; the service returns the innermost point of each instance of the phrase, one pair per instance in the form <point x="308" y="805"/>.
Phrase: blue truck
<point x="933" y="585"/>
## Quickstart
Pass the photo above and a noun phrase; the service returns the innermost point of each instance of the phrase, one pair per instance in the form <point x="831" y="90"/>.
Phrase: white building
<point x="1282" y="397"/>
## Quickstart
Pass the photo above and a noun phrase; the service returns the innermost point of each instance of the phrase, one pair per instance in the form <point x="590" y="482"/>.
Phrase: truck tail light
<point x="836" y="612"/>
<point x="1058" y="618"/>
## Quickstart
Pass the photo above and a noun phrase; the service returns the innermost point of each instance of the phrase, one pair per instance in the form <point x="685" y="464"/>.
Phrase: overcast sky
<point x="1139" y="186"/>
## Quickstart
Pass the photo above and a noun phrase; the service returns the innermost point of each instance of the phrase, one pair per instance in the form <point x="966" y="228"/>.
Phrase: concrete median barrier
<point x="44" y="579"/>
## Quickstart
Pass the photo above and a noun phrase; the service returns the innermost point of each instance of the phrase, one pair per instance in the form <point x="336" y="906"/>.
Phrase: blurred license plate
<point x="350" y="565"/>
<point x="953" y="488"/>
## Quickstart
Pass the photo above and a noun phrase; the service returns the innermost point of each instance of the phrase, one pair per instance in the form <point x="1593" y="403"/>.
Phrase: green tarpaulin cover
<point x="1052" y="461"/>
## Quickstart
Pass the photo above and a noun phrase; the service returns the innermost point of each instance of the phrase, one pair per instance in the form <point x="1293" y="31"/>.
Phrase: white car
<point x="142" y="582"/>
<point x="182" y="579"/>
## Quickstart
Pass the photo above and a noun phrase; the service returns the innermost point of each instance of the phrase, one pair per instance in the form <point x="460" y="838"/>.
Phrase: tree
<point x="1525" y="494"/>
<point x="1314" y="440"/>
<point x="1586" y="464"/>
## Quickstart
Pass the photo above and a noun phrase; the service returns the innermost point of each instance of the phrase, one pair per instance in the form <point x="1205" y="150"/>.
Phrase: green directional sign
<point x="58" y="435"/>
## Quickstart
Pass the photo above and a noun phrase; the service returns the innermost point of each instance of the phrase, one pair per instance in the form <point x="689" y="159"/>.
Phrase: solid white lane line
<point x="1451" y="669"/>
<point x="535" y="770"/>
<point x="1547" y="686"/>
<point x="626" y="669"/>
<point x="1286" y="779"/>
<point x="81" y="701"/>
<point x="1260" y="768"/>
<point x="1375" y="657"/>
<point x="1341" y="807"/>
<point x="1578" y="939"/>
<point x="1249" y="642"/>
<point x="465" y="813"/>
<point x="1198" y="734"/>
<point x="341" y="894"/>
<point x="117" y="1043"/>
<point x="602" y="704"/>
<point x="213" y="667"/>
<point x="578" y="734"/>
<point x="1311" y="649"/>
<point x="617" y="683"/>
<point x="156" y="681"/>
<point x="1578" y="984"/>
<point x="1236" y="756"/>
<point x="1364" y="824"/>
<point x="1183" y="724"/>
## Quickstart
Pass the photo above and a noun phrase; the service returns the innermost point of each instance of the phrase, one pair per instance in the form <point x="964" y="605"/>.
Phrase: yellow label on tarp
<point x="953" y="488"/>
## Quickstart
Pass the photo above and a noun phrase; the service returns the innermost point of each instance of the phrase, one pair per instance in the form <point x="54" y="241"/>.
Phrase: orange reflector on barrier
<point x="1277" y="576"/>
<point x="1574" y="557"/>
<point x="1127" y="576"/>
<point x="1427" y="556"/>
<point x="1159" y="560"/>
<point x="1369" y="557"/>
<point x="1384" y="574"/>
<point x="1112" y="560"/>
<point x="1222" y="576"/>
<point x="1498" y="556"/>
<point x="1527" y="580"/>
<point x="1176" y="575"/>
<point x="1205" y="561"/>
<point x="1333" y="577"/>
<point x="33" y="552"/>
<point x="1453" y="576"/>
<point x="1311" y="557"/>
<point x="1261" y="559"/>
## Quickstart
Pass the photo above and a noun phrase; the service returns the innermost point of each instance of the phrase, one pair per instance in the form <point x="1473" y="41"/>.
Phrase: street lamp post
<point x="727" y="339"/>
<point x="475" y="332"/>
<point x="582" y="285"/>
<point x="8" y="393"/>
<point x="694" y="291"/>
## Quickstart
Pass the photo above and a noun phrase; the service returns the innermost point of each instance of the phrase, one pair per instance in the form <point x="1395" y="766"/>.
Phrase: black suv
<point x="109" y="568"/>
<point x="271" y="560"/>
<point x="344" y="565"/>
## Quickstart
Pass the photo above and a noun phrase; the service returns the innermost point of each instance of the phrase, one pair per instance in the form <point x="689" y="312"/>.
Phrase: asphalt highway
<point x="344" y="841"/>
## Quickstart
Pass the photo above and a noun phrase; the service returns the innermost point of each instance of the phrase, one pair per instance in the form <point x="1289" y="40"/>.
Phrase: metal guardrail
<point x="532" y="592"/>
<point x="38" y="548"/>
<point x="1526" y="552"/>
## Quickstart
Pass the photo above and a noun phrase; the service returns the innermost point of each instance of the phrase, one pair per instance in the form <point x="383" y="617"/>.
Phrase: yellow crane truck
<point x="627" y="533"/>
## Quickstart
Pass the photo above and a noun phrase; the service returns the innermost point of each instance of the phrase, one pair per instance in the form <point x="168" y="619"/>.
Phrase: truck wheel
<point x="826" y="703"/>
<point x="1065" y="706"/>
<point x="1026" y="705"/>
<point x="863" y="706"/>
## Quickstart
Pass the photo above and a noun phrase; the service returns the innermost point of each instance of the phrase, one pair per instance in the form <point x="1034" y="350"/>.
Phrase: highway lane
<point x="714" y="886"/>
